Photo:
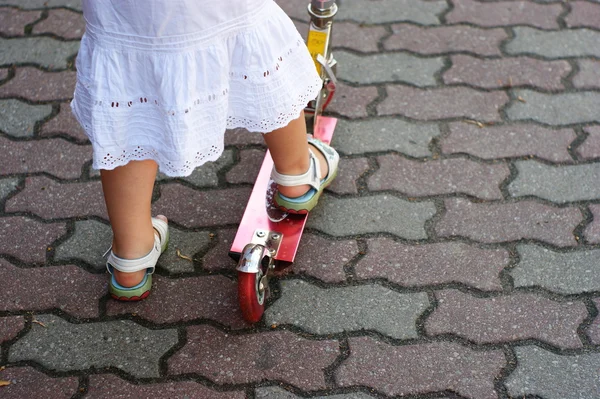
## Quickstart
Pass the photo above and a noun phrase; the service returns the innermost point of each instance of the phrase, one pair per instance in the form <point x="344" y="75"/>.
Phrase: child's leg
<point x="128" y="194"/>
<point x="289" y="150"/>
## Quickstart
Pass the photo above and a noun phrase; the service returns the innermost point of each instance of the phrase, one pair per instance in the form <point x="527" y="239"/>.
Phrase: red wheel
<point x="251" y="296"/>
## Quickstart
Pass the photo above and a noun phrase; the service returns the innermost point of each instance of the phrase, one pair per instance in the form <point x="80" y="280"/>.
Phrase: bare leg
<point x="128" y="194"/>
<point x="289" y="150"/>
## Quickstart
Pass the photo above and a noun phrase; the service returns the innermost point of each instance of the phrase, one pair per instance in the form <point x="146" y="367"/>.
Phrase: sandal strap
<point x="331" y="156"/>
<point x="310" y="177"/>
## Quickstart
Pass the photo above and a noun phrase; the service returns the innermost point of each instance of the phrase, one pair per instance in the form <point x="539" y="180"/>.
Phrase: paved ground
<point x="456" y="256"/>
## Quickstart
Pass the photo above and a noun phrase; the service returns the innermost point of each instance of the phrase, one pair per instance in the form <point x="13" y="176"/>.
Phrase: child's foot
<point x="298" y="191"/>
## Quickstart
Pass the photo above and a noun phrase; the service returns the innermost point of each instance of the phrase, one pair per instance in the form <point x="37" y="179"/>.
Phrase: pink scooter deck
<point x="255" y="216"/>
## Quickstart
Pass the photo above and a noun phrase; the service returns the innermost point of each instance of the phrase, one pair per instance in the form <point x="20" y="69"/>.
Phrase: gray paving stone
<point x="44" y="51"/>
<point x="384" y="134"/>
<point x="31" y="4"/>
<point x="588" y="76"/>
<point x="390" y="67"/>
<point x="555" y="44"/>
<point x="573" y="272"/>
<point x="559" y="184"/>
<point x="384" y="11"/>
<point x="590" y="148"/>
<point x="18" y="119"/>
<point x="365" y="307"/>
<point x="123" y="344"/>
<point x="551" y="376"/>
<point x="188" y="243"/>
<point x="7" y="186"/>
<point x="372" y="214"/>
<point x="592" y="231"/>
<point x="206" y="175"/>
<point x="555" y="109"/>
<point x="280" y="393"/>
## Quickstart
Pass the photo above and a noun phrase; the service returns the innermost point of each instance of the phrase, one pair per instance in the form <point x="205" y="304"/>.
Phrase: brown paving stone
<point x="507" y="141"/>
<point x="422" y="368"/>
<point x="61" y="158"/>
<point x="110" y="386"/>
<point x="590" y="148"/>
<point x="588" y="76"/>
<point x="50" y="199"/>
<point x="502" y="13"/>
<point x="27" y="239"/>
<point x="217" y="257"/>
<point x="593" y="331"/>
<point x="191" y="208"/>
<point x="246" y="170"/>
<point x="441" y="103"/>
<point x="447" y="176"/>
<point x="64" y="123"/>
<point x="592" y="231"/>
<point x="27" y="382"/>
<point x="507" y="318"/>
<point x="445" y="39"/>
<point x="10" y="326"/>
<point x="506" y="72"/>
<point x="3" y="73"/>
<point x="64" y="23"/>
<point x="36" y="85"/>
<point x="68" y="288"/>
<point x="323" y="258"/>
<point x="13" y="21"/>
<point x="241" y="359"/>
<point x="583" y="14"/>
<point x="432" y="264"/>
<point x="509" y="222"/>
<point x="357" y="37"/>
<point x="185" y="299"/>
<point x="350" y="169"/>
<point x="352" y="102"/>
<point x="243" y="137"/>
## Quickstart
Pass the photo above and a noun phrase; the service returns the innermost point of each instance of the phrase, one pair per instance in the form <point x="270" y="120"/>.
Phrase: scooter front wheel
<point x="251" y="295"/>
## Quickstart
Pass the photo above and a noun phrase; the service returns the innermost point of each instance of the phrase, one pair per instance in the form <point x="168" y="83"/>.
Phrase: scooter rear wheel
<point x="251" y="296"/>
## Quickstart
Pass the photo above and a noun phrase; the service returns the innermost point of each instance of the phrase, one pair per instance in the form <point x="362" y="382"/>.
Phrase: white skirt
<point x="164" y="79"/>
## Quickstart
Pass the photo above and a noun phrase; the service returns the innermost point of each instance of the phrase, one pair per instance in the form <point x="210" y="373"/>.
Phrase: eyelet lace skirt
<point x="164" y="79"/>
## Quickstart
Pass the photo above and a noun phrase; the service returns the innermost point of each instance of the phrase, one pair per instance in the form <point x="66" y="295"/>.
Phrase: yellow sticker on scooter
<point x="316" y="45"/>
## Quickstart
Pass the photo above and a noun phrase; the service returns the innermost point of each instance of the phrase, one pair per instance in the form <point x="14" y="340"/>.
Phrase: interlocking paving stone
<point x="63" y="346"/>
<point x="444" y="39"/>
<point x="507" y="318"/>
<point x="421" y="368"/>
<point x="184" y="299"/>
<point x="110" y="386"/>
<point x="27" y="382"/>
<point x="323" y="258"/>
<point x="350" y="169"/>
<point x="393" y="11"/>
<point x="89" y="241"/>
<point x="429" y="264"/>
<point x="36" y="85"/>
<point x="10" y="326"/>
<point x="588" y="76"/>
<point x="68" y="288"/>
<point x="505" y="13"/>
<point x="243" y="137"/>
<point x="555" y="44"/>
<point x="441" y="103"/>
<point x="560" y="272"/>
<point x="294" y="9"/>
<point x="352" y="102"/>
<point x="583" y="14"/>
<point x="234" y="359"/>
<point x="13" y="21"/>
<point x="188" y="243"/>
<point x="217" y="257"/>
<point x="18" y="119"/>
<point x="7" y="186"/>
<point x="357" y="36"/>
<point x="373" y="214"/>
<point x="356" y="308"/>
<point x="3" y="73"/>
<point x="384" y="134"/>
<point x="27" y="239"/>
<point x="505" y="141"/>
<point x="280" y="393"/>
<point x="392" y="67"/>
<point x="34" y="4"/>
<point x="507" y="72"/>
<point x="206" y="175"/>
<point x="559" y="184"/>
<point x="447" y="176"/>
<point x="591" y="146"/>
<point x="64" y="23"/>
<point x="50" y="199"/>
<point x="44" y="51"/>
<point x="64" y="123"/>
<point x="551" y="376"/>
<point x="593" y="331"/>
<point x="191" y="208"/>
<point x="509" y="222"/>
<point x="592" y="231"/>
<point x="246" y="170"/>
<point x="555" y="109"/>
<point x="61" y="158"/>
